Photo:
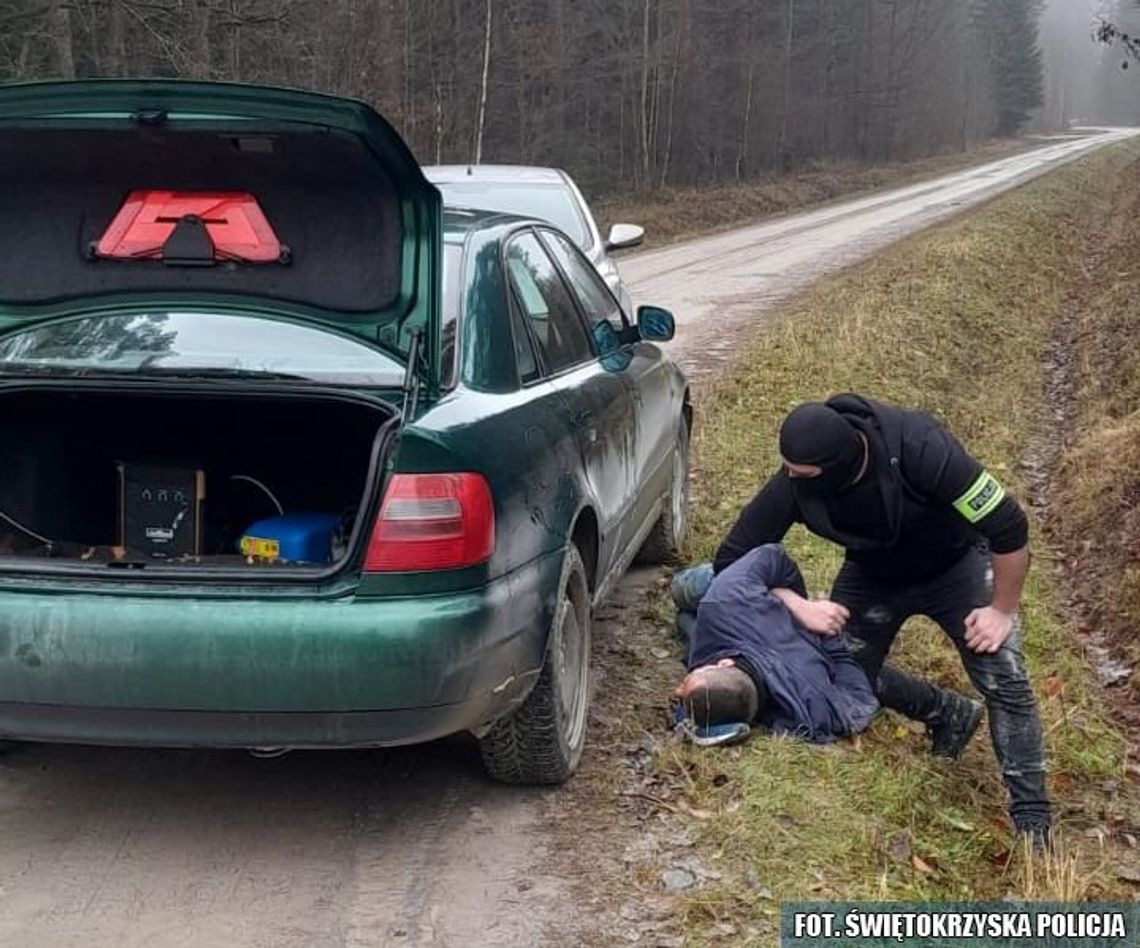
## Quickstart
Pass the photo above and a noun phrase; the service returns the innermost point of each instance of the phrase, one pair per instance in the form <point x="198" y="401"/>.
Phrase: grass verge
<point x="671" y="214"/>
<point x="957" y="322"/>
<point x="1098" y="521"/>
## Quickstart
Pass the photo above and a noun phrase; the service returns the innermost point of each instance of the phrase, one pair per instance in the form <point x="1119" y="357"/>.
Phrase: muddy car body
<point x="440" y="407"/>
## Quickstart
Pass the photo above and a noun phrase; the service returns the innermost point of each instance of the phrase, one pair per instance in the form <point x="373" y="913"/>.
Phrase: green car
<point x="291" y="457"/>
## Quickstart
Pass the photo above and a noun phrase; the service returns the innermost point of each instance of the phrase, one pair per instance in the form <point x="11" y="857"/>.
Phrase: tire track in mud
<point x="447" y="870"/>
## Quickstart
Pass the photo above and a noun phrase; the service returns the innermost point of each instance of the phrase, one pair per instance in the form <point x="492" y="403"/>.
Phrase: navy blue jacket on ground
<point x="816" y="690"/>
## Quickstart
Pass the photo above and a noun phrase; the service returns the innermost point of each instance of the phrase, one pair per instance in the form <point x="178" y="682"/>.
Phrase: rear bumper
<point x="133" y="727"/>
<point x="177" y="671"/>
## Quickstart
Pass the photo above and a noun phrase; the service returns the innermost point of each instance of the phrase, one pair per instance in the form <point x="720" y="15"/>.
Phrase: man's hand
<point x="821" y="616"/>
<point x="987" y="629"/>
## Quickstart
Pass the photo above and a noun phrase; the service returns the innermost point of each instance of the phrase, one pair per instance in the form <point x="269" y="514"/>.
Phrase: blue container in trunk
<point x="296" y="538"/>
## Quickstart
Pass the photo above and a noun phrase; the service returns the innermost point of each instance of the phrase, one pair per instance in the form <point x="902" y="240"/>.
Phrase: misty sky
<point x="1084" y="81"/>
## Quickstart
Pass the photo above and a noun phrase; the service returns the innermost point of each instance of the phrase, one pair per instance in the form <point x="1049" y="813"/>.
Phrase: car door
<point x="596" y="398"/>
<point x="646" y="375"/>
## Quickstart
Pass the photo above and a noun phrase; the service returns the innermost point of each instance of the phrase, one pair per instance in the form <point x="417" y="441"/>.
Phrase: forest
<point x="626" y="94"/>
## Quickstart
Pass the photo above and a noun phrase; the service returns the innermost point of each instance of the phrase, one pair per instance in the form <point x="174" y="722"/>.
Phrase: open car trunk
<point x="193" y="196"/>
<point x="253" y="484"/>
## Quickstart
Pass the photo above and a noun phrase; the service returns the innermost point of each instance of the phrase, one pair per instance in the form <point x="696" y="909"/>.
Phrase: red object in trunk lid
<point x="233" y="220"/>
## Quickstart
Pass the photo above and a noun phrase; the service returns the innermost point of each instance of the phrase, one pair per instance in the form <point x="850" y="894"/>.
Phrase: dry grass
<point x="955" y="322"/>
<point x="671" y="214"/>
<point x="1099" y="521"/>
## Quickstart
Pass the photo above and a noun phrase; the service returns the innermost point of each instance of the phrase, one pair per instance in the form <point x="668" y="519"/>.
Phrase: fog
<point x="1087" y="82"/>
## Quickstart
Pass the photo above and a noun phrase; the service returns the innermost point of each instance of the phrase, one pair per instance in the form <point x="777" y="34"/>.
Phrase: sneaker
<point x="951" y="731"/>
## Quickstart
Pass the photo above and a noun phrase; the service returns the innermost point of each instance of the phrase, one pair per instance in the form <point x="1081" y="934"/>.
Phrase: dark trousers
<point x="879" y="609"/>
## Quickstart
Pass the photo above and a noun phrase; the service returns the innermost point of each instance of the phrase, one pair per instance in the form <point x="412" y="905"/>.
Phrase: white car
<point x="546" y="193"/>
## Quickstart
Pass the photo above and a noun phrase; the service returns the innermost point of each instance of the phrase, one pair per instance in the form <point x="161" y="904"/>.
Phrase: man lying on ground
<point x="762" y="651"/>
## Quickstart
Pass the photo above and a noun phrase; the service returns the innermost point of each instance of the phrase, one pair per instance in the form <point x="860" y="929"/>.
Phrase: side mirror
<point x="655" y="324"/>
<point x="606" y="338"/>
<point x="615" y="355"/>
<point x="624" y="235"/>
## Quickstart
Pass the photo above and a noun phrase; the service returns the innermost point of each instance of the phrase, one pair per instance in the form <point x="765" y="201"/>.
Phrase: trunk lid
<point x="336" y="184"/>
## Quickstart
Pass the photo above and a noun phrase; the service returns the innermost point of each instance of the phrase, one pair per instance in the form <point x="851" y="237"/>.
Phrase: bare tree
<point x="483" y="87"/>
<point x="623" y="93"/>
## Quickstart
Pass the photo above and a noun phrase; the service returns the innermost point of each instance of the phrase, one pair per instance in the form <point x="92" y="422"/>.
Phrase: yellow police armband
<point x="980" y="498"/>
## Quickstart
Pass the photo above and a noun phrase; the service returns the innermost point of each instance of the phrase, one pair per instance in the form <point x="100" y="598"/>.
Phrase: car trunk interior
<point x="254" y="482"/>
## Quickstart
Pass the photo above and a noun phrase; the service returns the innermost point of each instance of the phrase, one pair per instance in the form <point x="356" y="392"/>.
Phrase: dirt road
<point x="718" y="285"/>
<point x="105" y="847"/>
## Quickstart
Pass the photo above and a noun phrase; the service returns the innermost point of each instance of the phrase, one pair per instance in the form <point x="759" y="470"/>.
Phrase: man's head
<point x="719" y="694"/>
<point x="821" y="449"/>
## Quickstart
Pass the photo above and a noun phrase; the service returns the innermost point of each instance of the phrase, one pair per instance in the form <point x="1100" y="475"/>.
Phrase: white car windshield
<point x="547" y="202"/>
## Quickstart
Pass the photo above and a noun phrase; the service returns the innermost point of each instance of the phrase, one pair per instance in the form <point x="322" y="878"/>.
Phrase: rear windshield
<point x="195" y="345"/>
<point x="548" y="202"/>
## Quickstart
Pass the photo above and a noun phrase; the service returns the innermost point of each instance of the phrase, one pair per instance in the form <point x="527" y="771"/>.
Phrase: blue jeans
<point x="688" y="589"/>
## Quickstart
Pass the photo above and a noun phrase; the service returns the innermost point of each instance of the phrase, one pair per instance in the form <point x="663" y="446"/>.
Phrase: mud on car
<point x="291" y="458"/>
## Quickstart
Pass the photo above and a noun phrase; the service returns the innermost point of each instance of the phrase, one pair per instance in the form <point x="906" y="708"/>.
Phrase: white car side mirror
<point x="624" y="235"/>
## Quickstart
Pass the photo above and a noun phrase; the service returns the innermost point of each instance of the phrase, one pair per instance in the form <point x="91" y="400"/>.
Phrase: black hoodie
<point x="923" y="502"/>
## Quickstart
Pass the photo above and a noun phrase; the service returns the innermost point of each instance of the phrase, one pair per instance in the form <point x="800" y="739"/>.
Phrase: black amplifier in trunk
<point x="160" y="510"/>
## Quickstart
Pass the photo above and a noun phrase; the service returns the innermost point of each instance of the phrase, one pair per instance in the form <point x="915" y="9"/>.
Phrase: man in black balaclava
<point x="926" y="531"/>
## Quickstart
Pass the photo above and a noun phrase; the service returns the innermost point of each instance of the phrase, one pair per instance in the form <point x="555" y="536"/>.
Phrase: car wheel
<point x="541" y="741"/>
<point x="667" y="538"/>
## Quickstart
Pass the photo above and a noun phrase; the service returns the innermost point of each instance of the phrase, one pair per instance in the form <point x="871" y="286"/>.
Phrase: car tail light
<point x="432" y="521"/>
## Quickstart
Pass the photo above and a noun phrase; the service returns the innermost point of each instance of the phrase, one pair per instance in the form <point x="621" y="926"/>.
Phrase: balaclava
<point x="815" y="434"/>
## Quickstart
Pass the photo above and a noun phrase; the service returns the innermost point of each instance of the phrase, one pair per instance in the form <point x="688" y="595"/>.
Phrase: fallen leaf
<point x="1054" y="686"/>
<point x="1000" y="858"/>
<point x="1060" y="781"/>
<point x="957" y="823"/>
<point x="921" y="864"/>
<point x="720" y="780"/>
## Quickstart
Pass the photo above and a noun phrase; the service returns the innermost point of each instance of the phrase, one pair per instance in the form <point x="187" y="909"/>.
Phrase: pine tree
<point x="1015" y="61"/>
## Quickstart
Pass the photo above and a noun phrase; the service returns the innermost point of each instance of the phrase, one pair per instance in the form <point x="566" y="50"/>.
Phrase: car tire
<point x="541" y="741"/>
<point x="666" y="540"/>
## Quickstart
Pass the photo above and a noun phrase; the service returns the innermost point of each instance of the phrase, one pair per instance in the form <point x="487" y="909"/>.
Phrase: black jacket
<point x="929" y="503"/>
